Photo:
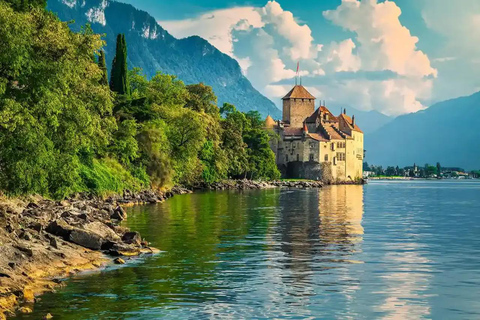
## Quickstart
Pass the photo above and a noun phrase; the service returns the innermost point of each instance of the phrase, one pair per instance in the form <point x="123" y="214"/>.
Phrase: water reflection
<point x="389" y="251"/>
<point x="341" y="212"/>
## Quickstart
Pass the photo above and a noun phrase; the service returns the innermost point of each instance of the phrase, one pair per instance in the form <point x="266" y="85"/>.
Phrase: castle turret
<point x="298" y="104"/>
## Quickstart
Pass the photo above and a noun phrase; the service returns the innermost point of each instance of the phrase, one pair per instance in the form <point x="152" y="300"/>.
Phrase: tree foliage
<point x="63" y="129"/>
<point x="119" y="78"/>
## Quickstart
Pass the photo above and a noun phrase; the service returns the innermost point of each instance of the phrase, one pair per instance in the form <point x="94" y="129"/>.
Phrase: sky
<point x="394" y="57"/>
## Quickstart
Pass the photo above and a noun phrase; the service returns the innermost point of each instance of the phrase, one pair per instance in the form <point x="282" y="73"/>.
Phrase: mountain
<point x="446" y="132"/>
<point x="153" y="49"/>
<point x="368" y="121"/>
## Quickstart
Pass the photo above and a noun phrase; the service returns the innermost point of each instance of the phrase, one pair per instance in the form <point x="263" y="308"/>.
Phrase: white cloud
<point x="384" y="43"/>
<point x="217" y="26"/>
<point x="299" y="36"/>
<point x="268" y="41"/>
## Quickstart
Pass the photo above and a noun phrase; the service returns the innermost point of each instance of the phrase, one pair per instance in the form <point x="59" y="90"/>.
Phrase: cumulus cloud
<point x="384" y="43"/>
<point x="268" y="41"/>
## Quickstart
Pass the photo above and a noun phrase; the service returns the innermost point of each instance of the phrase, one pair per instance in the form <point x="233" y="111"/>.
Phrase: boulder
<point x="60" y="228"/>
<point x="119" y="261"/>
<point x="132" y="238"/>
<point x="87" y="239"/>
<point x="119" y="214"/>
<point x="102" y="230"/>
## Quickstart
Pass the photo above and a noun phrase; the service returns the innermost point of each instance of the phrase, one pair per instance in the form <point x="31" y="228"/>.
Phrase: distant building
<point x="315" y="144"/>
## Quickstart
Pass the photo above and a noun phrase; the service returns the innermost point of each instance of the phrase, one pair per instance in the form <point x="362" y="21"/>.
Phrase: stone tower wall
<point x="296" y="110"/>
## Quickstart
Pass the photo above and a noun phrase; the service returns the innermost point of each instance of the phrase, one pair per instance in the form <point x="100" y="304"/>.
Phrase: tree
<point x="119" y="77"/>
<point x="103" y="66"/>
<point x="24" y="5"/>
<point x="439" y="169"/>
<point x="202" y="98"/>
<point x="54" y="114"/>
<point x="390" y="171"/>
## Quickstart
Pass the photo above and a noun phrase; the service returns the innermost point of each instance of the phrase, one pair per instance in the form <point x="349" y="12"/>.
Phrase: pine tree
<point x="103" y="66"/>
<point x="118" y="79"/>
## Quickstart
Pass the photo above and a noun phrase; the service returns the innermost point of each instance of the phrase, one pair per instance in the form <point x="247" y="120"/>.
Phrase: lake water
<point x="390" y="250"/>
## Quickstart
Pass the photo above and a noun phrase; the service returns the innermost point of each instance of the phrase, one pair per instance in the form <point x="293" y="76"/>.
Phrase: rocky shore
<point x="250" y="184"/>
<point x="44" y="241"/>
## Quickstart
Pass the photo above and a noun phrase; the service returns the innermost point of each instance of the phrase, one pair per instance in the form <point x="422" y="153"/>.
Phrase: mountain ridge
<point x="445" y="132"/>
<point x="152" y="48"/>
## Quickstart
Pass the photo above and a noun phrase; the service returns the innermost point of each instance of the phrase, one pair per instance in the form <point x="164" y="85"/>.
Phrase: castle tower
<point x="298" y="104"/>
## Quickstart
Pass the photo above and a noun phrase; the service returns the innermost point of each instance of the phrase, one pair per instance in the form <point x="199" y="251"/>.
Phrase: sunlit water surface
<point x="393" y="250"/>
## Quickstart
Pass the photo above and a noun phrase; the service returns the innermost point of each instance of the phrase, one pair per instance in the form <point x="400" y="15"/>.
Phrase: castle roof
<point x="298" y="92"/>
<point x="313" y="117"/>
<point x="269" y="122"/>
<point x="292" y="131"/>
<point x="349" y="122"/>
<point x="317" y="136"/>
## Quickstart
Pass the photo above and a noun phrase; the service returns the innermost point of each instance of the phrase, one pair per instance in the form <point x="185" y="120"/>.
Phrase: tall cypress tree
<point x="103" y="66"/>
<point x="119" y="77"/>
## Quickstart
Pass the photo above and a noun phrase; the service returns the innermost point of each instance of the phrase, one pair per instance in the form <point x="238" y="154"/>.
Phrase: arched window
<point x="326" y="157"/>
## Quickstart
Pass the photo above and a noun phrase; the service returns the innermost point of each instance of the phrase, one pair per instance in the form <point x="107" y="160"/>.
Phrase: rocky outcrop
<point x="41" y="240"/>
<point x="252" y="184"/>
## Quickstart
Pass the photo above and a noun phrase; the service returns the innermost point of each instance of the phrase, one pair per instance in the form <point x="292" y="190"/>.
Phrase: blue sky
<point x="391" y="56"/>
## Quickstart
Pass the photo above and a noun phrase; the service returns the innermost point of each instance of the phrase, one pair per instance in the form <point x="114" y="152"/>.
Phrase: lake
<point x="389" y="249"/>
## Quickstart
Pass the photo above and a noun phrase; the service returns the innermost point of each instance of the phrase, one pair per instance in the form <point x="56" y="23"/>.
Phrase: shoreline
<point x="45" y="241"/>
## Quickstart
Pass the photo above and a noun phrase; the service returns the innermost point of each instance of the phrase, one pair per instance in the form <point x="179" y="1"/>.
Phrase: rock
<point x="119" y="214"/>
<point x="26" y="250"/>
<point x="48" y="316"/>
<point x="36" y="226"/>
<point x="132" y="238"/>
<point x="28" y="295"/>
<point x="54" y="243"/>
<point x="119" y="261"/>
<point x="32" y="205"/>
<point x="102" y="230"/>
<point x="26" y="235"/>
<point x="60" y="228"/>
<point x="87" y="239"/>
<point x="25" y="310"/>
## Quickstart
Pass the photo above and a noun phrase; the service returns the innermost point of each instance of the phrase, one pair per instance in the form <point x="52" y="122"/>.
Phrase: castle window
<point x="333" y="146"/>
<point x="311" y="157"/>
<point x="298" y="157"/>
<point x="326" y="157"/>
<point x="341" y="156"/>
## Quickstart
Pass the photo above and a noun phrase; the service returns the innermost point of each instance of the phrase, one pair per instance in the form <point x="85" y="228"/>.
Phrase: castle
<point x="314" y="144"/>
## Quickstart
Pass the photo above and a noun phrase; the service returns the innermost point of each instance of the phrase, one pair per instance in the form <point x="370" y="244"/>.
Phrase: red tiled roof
<point x="317" y="136"/>
<point x="298" y="92"/>
<point x="332" y="132"/>
<point x="349" y="122"/>
<point x="292" y="131"/>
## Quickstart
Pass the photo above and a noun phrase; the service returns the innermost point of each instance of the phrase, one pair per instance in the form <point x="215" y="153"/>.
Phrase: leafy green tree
<point x="119" y="77"/>
<point x="54" y="113"/>
<point x="390" y="171"/>
<point x="24" y="5"/>
<point x="103" y="66"/>
<point x="202" y="98"/>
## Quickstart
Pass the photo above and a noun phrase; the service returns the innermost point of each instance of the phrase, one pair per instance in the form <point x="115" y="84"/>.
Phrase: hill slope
<point x="153" y="49"/>
<point x="446" y="132"/>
